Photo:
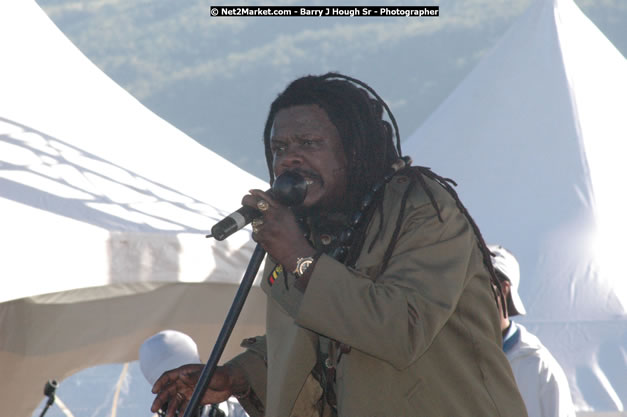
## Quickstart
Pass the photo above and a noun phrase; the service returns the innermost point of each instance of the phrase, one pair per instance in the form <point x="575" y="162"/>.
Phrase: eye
<point x="277" y="147"/>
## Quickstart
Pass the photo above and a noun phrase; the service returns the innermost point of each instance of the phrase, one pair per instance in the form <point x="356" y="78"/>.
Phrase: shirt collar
<point x="511" y="337"/>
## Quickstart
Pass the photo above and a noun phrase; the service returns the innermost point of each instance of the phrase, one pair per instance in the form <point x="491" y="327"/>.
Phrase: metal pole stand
<point x="227" y="328"/>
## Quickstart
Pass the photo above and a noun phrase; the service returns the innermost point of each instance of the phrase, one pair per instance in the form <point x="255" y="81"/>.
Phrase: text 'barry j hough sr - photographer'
<point x="330" y="11"/>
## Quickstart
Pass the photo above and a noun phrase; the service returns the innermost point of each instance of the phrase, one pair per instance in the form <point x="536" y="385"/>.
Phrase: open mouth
<point x="310" y="177"/>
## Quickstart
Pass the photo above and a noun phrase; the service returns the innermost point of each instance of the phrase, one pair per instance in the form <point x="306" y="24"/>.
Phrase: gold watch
<point x="301" y="265"/>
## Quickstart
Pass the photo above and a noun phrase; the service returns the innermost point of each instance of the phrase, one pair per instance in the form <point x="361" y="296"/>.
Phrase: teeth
<point x="309" y="182"/>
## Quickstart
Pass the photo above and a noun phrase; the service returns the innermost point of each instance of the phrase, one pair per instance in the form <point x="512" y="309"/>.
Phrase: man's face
<point x="305" y="141"/>
<point x="503" y="310"/>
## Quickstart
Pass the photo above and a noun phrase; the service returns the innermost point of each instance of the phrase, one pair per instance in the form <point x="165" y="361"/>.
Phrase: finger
<point x="190" y="376"/>
<point x="183" y="407"/>
<point x="167" y="396"/>
<point x="263" y="205"/>
<point x="159" y="384"/>
<point x="161" y="399"/>
<point x="170" y="407"/>
<point x="174" y="405"/>
<point x="256" y="234"/>
<point x="250" y="201"/>
<point x="262" y="195"/>
<point x="164" y="380"/>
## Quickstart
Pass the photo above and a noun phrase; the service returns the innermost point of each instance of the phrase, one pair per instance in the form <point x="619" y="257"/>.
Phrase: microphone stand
<point x="49" y="390"/>
<point x="231" y="318"/>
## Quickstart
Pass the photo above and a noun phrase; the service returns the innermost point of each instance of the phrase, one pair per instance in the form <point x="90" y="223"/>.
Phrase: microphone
<point x="289" y="189"/>
<point x="49" y="389"/>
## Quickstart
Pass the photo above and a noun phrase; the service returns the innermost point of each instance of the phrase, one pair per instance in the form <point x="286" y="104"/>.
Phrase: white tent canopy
<point x="104" y="210"/>
<point x="536" y="137"/>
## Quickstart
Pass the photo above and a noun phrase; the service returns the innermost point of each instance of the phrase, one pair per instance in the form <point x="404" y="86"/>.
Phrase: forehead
<point x="301" y="120"/>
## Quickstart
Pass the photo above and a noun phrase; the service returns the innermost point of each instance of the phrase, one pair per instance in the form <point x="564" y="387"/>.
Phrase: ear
<point x="506" y="288"/>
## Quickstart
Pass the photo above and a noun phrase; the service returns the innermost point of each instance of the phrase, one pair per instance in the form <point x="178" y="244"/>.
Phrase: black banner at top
<point x="325" y="11"/>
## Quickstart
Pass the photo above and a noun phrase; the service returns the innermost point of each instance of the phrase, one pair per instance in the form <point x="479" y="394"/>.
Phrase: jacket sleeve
<point x="253" y="362"/>
<point x="396" y="316"/>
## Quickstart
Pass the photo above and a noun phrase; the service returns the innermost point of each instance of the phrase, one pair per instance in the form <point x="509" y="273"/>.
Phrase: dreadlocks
<point x="368" y="142"/>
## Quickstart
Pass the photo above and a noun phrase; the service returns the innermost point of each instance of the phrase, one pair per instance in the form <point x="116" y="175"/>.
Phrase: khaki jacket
<point x="424" y="333"/>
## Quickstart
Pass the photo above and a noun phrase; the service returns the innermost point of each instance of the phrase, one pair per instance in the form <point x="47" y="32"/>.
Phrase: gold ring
<point x="257" y="223"/>
<point x="262" y="205"/>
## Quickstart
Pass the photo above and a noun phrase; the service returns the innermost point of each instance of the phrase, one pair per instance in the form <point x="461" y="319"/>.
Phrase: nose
<point x="292" y="157"/>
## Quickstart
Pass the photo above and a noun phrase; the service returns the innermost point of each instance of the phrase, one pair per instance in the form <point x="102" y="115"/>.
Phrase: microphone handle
<point x="289" y="188"/>
<point x="233" y="222"/>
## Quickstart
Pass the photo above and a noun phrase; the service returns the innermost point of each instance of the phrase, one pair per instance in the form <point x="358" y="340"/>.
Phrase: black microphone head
<point x="290" y="188"/>
<point x="50" y="388"/>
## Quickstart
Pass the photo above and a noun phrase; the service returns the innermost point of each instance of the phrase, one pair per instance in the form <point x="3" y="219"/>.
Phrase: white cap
<point x="506" y="264"/>
<point x="166" y="350"/>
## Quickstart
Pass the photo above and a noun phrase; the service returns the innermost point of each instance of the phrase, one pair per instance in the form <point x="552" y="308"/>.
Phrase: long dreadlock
<point x="368" y="142"/>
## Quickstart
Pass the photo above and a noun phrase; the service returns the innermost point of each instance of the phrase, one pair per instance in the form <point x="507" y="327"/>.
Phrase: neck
<point x="505" y="324"/>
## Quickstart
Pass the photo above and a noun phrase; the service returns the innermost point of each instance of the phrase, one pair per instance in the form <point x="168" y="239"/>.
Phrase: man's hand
<point x="278" y="231"/>
<point x="174" y="388"/>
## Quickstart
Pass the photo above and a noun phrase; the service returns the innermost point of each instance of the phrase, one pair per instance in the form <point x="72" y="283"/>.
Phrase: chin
<point x="308" y="207"/>
<point x="312" y="199"/>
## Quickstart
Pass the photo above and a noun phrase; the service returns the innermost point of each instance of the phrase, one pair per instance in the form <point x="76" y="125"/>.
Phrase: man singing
<point x="381" y="291"/>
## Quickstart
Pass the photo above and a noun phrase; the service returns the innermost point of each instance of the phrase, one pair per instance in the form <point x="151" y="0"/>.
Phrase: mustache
<point x="307" y="173"/>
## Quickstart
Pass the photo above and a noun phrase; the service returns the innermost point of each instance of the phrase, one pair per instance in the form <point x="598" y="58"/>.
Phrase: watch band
<point x="301" y="265"/>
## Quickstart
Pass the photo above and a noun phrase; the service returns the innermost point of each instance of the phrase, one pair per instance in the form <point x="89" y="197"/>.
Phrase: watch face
<point x="302" y="265"/>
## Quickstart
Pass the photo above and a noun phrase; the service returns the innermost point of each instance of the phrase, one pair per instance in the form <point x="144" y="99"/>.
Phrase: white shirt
<point x="541" y="380"/>
<point x="230" y="407"/>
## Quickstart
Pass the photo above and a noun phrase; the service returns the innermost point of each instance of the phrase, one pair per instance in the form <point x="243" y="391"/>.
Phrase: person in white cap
<point x="540" y="378"/>
<point x="170" y="349"/>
